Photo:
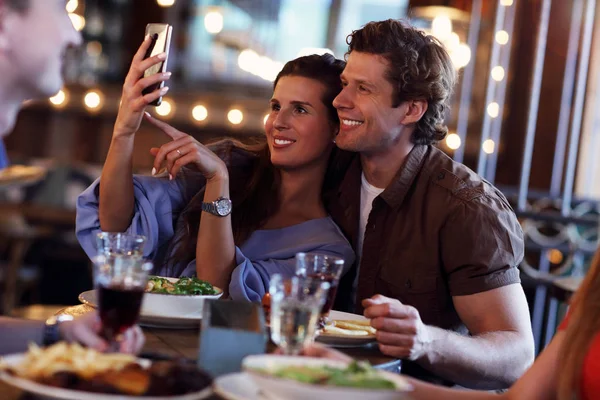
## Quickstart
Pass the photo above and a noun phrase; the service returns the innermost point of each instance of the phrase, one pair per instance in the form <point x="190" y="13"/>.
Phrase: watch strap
<point x="51" y="333"/>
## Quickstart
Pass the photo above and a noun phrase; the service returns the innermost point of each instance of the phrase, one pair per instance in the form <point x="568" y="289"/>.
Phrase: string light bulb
<point x="72" y="6"/>
<point x="488" y="146"/>
<point x="93" y="100"/>
<point x="78" y="21"/>
<point x="497" y="73"/>
<point x="493" y="109"/>
<point x="453" y="141"/>
<point x="502" y="37"/>
<point x="235" y="116"/>
<point x="199" y="113"/>
<point x="59" y="100"/>
<point x="213" y="22"/>
<point x="166" y="108"/>
<point x="165" y="3"/>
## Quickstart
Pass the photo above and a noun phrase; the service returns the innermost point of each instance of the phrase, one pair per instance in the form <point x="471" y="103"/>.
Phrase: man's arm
<point x="499" y="349"/>
<point x="16" y="334"/>
<point x="496" y="354"/>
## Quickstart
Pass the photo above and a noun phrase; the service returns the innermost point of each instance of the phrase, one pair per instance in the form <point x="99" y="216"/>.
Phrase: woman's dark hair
<point x="253" y="180"/>
<point x="419" y="68"/>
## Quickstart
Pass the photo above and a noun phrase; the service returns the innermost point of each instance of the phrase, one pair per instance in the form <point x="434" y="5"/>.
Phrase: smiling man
<point x="34" y="35"/>
<point x="439" y="246"/>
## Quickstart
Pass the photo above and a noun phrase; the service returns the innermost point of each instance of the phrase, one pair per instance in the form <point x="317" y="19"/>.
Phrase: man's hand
<point x="319" y="351"/>
<point x="86" y="329"/>
<point x="400" y="331"/>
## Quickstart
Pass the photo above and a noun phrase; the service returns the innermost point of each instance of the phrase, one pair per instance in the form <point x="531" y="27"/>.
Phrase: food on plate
<point x="350" y="328"/>
<point x="71" y="366"/>
<point x="182" y="286"/>
<point x="356" y="374"/>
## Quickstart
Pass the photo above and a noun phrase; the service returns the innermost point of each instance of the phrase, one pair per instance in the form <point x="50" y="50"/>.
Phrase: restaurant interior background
<point x="524" y="115"/>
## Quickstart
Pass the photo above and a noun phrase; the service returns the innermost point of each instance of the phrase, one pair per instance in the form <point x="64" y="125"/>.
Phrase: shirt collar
<point x="396" y="191"/>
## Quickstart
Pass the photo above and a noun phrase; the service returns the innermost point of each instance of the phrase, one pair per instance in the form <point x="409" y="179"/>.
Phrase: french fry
<point x="62" y="357"/>
<point x="351" y="325"/>
<point x="346" y="332"/>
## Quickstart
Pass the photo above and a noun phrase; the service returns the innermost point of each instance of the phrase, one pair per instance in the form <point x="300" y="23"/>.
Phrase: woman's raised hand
<point x="133" y="101"/>
<point x="183" y="150"/>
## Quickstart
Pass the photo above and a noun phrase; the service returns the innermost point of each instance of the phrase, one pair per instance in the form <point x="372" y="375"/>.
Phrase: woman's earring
<point x="333" y="140"/>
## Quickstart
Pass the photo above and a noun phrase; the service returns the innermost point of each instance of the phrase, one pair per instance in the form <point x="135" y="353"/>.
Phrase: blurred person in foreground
<point x="567" y="369"/>
<point x="34" y="35"/>
<point x="438" y="246"/>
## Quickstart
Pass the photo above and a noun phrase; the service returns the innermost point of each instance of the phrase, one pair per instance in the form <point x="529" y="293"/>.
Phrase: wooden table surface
<point x="184" y="343"/>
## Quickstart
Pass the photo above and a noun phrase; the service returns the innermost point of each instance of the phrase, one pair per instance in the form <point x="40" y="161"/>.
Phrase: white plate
<point x="163" y="310"/>
<point x="237" y="386"/>
<point x="337" y="340"/>
<point x="50" y="392"/>
<point x="293" y="390"/>
<point x="21" y="174"/>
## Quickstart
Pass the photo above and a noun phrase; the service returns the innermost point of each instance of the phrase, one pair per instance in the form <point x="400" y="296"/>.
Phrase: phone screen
<point x="161" y="37"/>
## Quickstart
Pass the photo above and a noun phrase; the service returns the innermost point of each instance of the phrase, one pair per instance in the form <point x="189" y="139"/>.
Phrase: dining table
<point x="168" y="343"/>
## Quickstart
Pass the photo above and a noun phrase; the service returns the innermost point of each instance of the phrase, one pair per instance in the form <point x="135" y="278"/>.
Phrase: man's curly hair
<point x="419" y="68"/>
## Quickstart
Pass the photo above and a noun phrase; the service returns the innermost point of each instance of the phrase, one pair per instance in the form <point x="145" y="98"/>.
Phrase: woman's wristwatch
<point x="221" y="207"/>
<point x="51" y="329"/>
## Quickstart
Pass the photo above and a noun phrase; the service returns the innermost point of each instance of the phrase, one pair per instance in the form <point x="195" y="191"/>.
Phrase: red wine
<point x="119" y="309"/>
<point x="330" y="278"/>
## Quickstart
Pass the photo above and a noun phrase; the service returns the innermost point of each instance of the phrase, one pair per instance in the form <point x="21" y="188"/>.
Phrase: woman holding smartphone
<point x="231" y="214"/>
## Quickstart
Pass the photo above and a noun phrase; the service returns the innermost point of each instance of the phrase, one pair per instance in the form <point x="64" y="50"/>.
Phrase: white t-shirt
<point x="368" y="193"/>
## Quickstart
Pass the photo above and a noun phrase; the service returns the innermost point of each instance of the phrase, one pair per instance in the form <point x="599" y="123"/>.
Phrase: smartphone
<point x="161" y="40"/>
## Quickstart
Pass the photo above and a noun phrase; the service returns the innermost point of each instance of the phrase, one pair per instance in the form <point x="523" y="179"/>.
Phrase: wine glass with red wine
<point x="321" y="267"/>
<point x="120" y="277"/>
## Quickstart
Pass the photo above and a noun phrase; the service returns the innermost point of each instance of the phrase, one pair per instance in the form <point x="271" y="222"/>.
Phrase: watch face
<point x="223" y="207"/>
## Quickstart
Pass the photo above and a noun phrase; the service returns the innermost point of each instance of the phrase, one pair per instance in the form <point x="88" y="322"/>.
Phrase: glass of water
<point x="119" y="244"/>
<point x="295" y="308"/>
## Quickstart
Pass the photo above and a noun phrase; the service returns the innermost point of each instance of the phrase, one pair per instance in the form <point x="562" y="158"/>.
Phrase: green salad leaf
<point x="356" y="375"/>
<point x="184" y="286"/>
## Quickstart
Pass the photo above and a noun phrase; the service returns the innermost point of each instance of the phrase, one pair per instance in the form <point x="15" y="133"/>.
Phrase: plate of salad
<point x="169" y="302"/>
<point x="305" y="378"/>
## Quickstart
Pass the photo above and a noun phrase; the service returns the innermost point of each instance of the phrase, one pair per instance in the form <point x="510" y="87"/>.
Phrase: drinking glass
<point x="114" y="244"/>
<point x="120" y="277"/>
<point x="295" y="306"/>
<point x="324" y="268"/>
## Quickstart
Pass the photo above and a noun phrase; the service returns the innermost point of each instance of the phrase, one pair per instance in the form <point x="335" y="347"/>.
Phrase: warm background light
<point x="78" y="21"/>
<point x="506" y="2"/>
<point x="441" y="27"/>
<point x="461" y="56"/>
<point x="213" y="22"/>
<point x="235" y="116"/>
<point x="488" y="146"/>
<point x="453" y="141"/>
<point x="497" y="73"/>
<point x="165" y="3"/>
<point x="199" y="113"/>
<point x="165" y="109"/>
<point x="493" y="109"/>
<point x="72" y="5"/>
<point x="555" y="256"/>
<point x="502" y="37"/>
<point x="59" y="99"/>
<point x="265" y="119"/>
<point x="93" y="100"/>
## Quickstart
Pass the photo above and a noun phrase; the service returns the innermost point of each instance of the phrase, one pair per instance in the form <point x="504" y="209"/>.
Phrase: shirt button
<point x="408" y="284"/>
<point x="441" y="176"/>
